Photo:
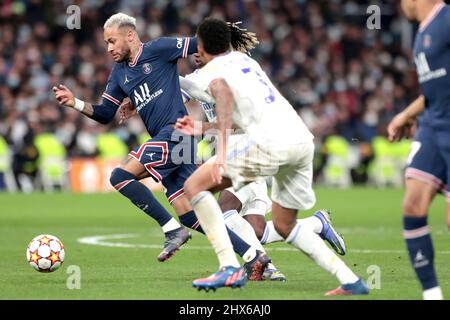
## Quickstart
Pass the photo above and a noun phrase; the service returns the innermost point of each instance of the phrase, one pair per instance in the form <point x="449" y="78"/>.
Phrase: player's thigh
<point x="134" y="167"/>
<point x="426" y="174"/>
<point x="202" y="180"/>
<point x="174" y="186"/>
<point x="229" y="201"/>
<point x="292" y="185"/>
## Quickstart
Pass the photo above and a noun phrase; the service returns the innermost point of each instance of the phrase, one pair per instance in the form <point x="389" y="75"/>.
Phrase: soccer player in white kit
<point x="252" y="201"/>
<point x="277" y="144"/>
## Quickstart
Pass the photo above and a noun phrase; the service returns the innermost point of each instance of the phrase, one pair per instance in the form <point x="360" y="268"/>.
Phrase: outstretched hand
<point x="64" y="96"/>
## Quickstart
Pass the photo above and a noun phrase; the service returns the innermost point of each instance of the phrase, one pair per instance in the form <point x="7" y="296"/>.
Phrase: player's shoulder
<point x="116" y="69"/>
<point x="446" y="10"/>
<point x="444" y="14"/>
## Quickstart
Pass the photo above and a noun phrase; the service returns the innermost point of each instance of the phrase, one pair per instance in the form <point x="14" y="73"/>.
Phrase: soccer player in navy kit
<point x="428" y="171"/>
<point x="147" y="74"/>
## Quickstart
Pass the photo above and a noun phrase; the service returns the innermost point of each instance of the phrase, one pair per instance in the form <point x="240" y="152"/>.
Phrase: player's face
<point x="118" y="43"/>
<point x="197" y="60"/>
<point x="409" y="9"/>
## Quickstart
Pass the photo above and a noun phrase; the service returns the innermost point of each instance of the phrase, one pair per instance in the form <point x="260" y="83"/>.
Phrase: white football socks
<point x="243" y="229"/>
<point x="305" y="239"/>
<point x="313" y="222"/>
<point x="271" y="235"/>
<point x="170" y="225"/>
<point x="433" y="294"/>
<point x="210" y="217"/>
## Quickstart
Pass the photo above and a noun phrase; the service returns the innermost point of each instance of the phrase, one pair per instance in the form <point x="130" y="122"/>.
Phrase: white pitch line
<point x="102" y="241"/>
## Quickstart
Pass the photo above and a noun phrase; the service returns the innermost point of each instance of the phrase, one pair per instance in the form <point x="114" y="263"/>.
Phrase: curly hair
<point x="217" y="36"/>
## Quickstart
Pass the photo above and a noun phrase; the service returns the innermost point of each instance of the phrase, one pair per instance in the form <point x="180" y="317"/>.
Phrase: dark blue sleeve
<point x="113" y="91"/>
<point x="112" y="98"/>
<point x="105" y="112"/>
<point x="172" y="49"/>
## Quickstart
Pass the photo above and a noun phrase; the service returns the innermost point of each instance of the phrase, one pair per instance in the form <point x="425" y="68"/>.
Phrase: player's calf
<point x="125" y="182"/>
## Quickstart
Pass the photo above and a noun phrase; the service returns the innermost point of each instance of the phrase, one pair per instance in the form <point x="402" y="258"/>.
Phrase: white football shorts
<point x="290" y="167"/>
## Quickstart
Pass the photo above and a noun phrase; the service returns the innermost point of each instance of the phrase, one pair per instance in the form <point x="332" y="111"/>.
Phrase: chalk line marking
<point x="103" y="240"/>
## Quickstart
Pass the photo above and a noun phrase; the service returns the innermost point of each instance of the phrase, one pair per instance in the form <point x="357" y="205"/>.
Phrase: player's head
<point x="417" y="10"/>
<point x="409" y="8"/>
<point x="119" y="32"/>
<point x="214" y="38"/>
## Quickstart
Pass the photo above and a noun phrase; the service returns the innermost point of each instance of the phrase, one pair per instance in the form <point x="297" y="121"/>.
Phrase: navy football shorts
<point x="169" y="159"/>
<point x="429" y="160"/>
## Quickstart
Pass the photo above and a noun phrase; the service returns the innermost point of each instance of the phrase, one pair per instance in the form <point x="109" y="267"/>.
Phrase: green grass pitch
<point x="126" y="268"/>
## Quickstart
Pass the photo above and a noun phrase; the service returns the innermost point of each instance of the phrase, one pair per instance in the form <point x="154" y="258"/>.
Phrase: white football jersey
<point x="259" y="108"/>
<point x="209" y="108"/>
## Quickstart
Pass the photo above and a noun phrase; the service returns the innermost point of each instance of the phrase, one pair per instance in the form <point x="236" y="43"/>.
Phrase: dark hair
<point x="215" y="35"/>
<point x="241" y="39"/>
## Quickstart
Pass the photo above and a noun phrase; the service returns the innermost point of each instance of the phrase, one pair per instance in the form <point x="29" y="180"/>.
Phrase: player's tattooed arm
<point x="66" y="98"/>
<point x="101" y="113"/>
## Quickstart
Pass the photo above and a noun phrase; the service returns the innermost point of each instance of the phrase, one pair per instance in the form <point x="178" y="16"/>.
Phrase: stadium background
<point x="345" y="80"/>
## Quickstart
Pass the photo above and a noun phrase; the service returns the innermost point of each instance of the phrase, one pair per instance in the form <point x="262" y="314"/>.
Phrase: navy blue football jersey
<point x="432" y="59"/>
<point x="151" y="82"/>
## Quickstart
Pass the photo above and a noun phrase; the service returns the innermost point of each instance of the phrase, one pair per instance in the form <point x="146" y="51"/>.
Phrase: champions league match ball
<point x="45" y="253"/>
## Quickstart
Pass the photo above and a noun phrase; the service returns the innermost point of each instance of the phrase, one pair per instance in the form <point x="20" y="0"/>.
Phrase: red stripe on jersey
<point x="175" y="195"/>
<point x="186" y="47"/>
<point x="135" y="60"/>
<point x="111" y="98"/>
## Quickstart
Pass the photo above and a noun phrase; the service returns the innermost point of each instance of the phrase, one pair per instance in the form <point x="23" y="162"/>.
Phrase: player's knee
<point x="228" y="201"/>
<point x="258" y="224"/>
<point x="414" y="207"/>
<point x="119" y="175"/>
<point x="283" y="229"/>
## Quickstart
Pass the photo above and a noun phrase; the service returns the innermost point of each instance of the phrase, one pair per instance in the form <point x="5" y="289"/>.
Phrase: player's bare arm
<point x="224" y="108"/>
<point x="400" y="124"/>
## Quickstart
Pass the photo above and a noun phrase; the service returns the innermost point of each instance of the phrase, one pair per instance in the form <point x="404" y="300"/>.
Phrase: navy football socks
<point x="420" y="248"/>
<point x="139" y="195"/>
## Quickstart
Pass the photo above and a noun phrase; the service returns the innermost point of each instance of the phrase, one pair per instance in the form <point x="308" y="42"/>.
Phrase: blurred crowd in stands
<point x="342" y="77"/>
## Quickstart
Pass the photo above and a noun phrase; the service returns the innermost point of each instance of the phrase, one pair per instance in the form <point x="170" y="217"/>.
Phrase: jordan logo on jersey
<point x="424" y="71"/>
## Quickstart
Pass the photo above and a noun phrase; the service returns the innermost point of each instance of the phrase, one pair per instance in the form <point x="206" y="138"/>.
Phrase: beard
<point x="125" y="56"/>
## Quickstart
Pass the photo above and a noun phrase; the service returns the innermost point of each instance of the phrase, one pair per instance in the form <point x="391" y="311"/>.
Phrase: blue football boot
<point x="226" y="277"/>
<point x="174" y="240"/>
<point x="329" y="234"/>
<point x="357" y="288"/>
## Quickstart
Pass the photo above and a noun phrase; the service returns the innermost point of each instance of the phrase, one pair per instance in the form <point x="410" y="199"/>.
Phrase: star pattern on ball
<point x="54" y="257"/>
<point x="34" y="257"/>
<point x="44" y="240"/>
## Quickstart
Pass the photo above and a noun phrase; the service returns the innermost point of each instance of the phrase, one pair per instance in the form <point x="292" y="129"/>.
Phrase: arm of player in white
<point x="224" y="109"/>
<point x="194" y="91"/>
